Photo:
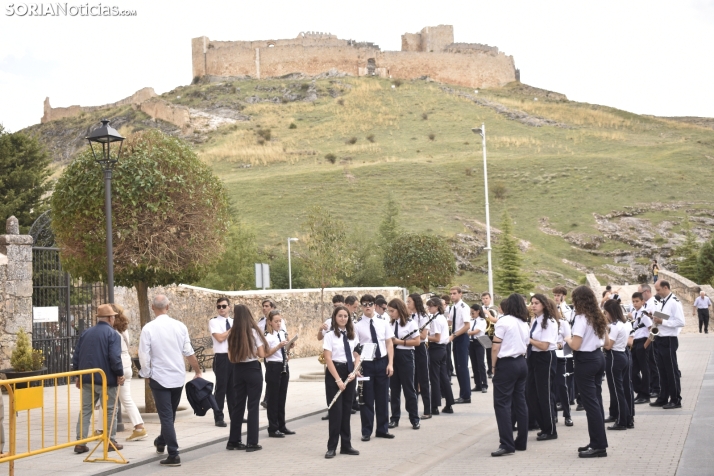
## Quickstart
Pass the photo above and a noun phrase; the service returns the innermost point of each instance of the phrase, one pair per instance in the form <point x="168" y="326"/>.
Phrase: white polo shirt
<point x="217" y="325"/>
<point x="549" y="334"/>
<point x="273" y="339"/>
<point x="461" y="313"/>
<point x="673" y="326"/>
<point x="619" y="333"/>
<point x="441" y="327"/>
<point x="515" y="335"/>
<point x="480" y="324"/>
<point x="382" y="329"/>
<point x="400" y="333"/>
<point x="563" y="331"/>
<point x="335" y="344"/>
<point x="582" y="329"/>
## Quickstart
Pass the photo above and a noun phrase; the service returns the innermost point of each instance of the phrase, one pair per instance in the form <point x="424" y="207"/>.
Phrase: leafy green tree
<point x="509" y="277"/>
<point x="327" y="254"/>
<point x="24" y="174"/>
<point x="389" y="228"/>
<point x="419" y="260"/>
<point x="235" y="269"/>
<point x="689" y="252"/>
<point x="368" y="257"/>
<point x="705" y="263"/>
<point x="279" y="271"/>
<point x="169" y="211"/>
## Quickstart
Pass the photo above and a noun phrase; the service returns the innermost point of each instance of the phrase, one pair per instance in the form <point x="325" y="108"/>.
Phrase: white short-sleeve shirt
<point x="400" y="332"/>
<point x="217" y="325"/>
<point x="273" y="339"/>
<point x="515" y="335"/>
<point x="563" y="331"/>
<point x="673" y="308"/>
<point x="480" y="324"/>
<point x="258" y="343"/>
<point x="549" y="334"/>
<point x="462" y="312"/>
<point x="581" y="328"/>
<point x="641" y="319"/>
<point x="441" y="327"/>
<point x="382" y="328"/>
<point x="335" y="344"/>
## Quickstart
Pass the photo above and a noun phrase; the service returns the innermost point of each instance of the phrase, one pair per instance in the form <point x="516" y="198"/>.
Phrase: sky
<point x="648" y="57"/>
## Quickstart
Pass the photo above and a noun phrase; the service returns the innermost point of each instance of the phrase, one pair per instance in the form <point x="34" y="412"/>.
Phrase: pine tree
<point x="509" y="277"/>
<point x="389" y="229"/>
<point x="689" y="252"/>
<point x="705" y="263"/>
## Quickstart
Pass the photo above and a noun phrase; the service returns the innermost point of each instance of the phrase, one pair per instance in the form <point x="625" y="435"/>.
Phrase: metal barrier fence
<point x="26" y="398"/>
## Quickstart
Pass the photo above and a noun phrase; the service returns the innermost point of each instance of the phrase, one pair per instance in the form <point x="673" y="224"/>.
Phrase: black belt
<point x="514" y="357"/>
<point x="436" y="344"/>
<point x="274" y="363"/>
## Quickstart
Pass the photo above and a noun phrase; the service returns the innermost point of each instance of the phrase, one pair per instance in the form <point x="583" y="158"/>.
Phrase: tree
<point x="234" y="271"/>
<point x="419" y="260"/>
<point x="279" y="271"/>
<point x="24" y="174"/>
<point x="169" y="211"/>
<point x="390" y="229"/>
<point x="689" y="252"/>
<point x="705" y="263"/>
<point x="509" y="277"/>
<point x="368" y="261"/>
<point x="327" y="255"/>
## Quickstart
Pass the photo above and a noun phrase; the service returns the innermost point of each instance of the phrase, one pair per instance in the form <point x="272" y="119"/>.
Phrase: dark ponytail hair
<point x="436" y="302"/>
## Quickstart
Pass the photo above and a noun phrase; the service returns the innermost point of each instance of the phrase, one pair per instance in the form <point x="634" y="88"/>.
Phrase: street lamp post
<point x="482" y="133"/>
<point x="103" y="137"/>
<point x="290" y="266"/>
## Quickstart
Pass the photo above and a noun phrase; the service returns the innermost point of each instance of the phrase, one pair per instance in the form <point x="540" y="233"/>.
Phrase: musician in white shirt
<point x="406" y="336"/>
<point x="640" y="358"/>
<point x="461" y="320"/>
<point x="541" y="365"/>
<point x="220" y="327"/>
<point x="277" y="375"/>
<point x="650" y="307"/>
<point x="476" y="350"/>
<point x="438" y="370"/>
<point x="617" y="368"/>
<point x="487" y="303"/>
<point x="666" y="346"/>
<point x="415" y="306"/>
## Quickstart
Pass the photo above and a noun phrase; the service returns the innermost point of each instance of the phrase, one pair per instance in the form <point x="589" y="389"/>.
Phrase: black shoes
<point x="416" y="426"/>
<point x="489" y="375"/>
<point x="654" y="394"/>
<point x="159" y="449"/>
<point x="389" y="436"/>
<point x="250" y="448"/>
<point x="326" y="417"/>
<point x="285" y="431"/>
<point x="558" y="407"/>
<point x="617" y="427"/>
<point x="671" y="405"/>
<point x="365" y="438"/>
<point x="276" y="434"/>
<point x="393" y="424"/>
<point x="583" y="448"/>
<point x="171" y="461"/>
<point x="235" y="446"/>
<point x="657" y="403"/>
<point x="579" y="408"/>
<point x="545" y="436"/>
<point x="502" y="452"/>
<point x="434" y="411"/>
<point x="610" y="419"/>
<point x="221" y="423"/>
<point x="642" y="400"/>
<point x="330" y="454"/>
<point x="593" y="453"/>
<point x="631" y="423"/>
<point x="447" y="409"/>
<point x="462" y="400"/>
<point x="348" y="451"/>
<point x="484" y="390"/>
<point x="568" y="422"/>
<point x="264" y="404"/>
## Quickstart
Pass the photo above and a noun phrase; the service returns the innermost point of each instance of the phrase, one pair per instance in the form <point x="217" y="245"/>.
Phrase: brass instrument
<point x="321" y="358"/>
<point x="490" y="328"/>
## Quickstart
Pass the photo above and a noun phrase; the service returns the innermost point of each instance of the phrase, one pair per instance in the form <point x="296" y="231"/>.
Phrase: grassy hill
<point x="554" y="162"/>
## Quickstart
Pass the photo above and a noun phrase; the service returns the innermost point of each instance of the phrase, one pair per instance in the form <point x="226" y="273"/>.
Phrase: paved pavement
<point x="664" y="442"/>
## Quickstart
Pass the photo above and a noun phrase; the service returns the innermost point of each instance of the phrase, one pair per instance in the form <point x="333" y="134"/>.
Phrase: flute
<point x="349" y="377"/>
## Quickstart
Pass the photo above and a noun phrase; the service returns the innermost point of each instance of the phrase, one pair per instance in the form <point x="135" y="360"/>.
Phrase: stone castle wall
<point x="54" y="113"/>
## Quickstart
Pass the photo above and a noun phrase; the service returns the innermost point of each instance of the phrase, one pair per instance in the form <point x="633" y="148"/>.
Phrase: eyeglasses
<point x="222" y="306"/>
<point x="367" y="304"/>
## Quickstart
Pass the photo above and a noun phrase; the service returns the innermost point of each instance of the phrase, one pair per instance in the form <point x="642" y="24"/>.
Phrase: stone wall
<point x="195" y="306"/>
<point x="686" y="290"/>
<point x="173" y="114"/>
<point x="15" y="288"/>
<point x="54" y="113"/>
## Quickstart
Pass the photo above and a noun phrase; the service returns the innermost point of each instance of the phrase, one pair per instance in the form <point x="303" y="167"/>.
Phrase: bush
<point x="397" y="83"/>
<point x="264" y="133"/>
<point x="304" y="87"/>
<point x="24" y="358"/>
<point x="292" y="126"/>
<point x="351" y="141"/>
<point x="432" y="136"/>
<point x="341" y="102"/>
<point x="424" y="116"/>
<point x="499" y="190"/>
<point x="331" y="158"/>
<point x="370" y="137"/>
<point x="469" y="171"/>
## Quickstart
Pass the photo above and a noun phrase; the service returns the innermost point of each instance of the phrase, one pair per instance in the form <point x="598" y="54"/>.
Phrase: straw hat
<point x="105" y="310"/>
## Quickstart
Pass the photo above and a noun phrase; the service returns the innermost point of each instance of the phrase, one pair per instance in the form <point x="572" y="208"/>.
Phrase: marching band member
<point x="277" y="375"/>
<point x="589" y="333"/>
<point x="415" y="306"/>
<point x="406" y="336"/>
<point x="510" y="373"/>
<point x="461" y="319"/>
<point x="266" y="306"/>
<point x="541" y="365"/>
<point x="563" y="367"/>
<point x="438" y="370"/>
<point x="650" y="307"/>
<point x="616" y="365"/>
<point x="380" y="306"/>
<point x="245" y="345"/>
<point x="666" y="347"/>
<point x="640" y="358"/>
<point x="449" y="348"/>
<point x="487" y="303"/>
<point x="342" y="357"/>
<point x="476" y="350"/>
<point x="337" y="301"/>
<point x="376" y="389"/>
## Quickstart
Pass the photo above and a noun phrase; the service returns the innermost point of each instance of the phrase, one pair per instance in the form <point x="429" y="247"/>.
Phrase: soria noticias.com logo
<point x="66" y="10"/>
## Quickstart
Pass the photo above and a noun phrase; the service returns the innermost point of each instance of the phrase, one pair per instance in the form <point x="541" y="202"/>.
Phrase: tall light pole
<point x="482" y="133"/>
<point x="103" y="137"/>
<point x="290" y="266"/>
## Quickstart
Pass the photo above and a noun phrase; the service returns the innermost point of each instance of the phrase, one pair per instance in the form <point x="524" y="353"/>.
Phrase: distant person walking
<point x="163" y="344"/>
<point x="701" y="306"/>
<point x="98" y="347"/>
<point x="655" y="271"/>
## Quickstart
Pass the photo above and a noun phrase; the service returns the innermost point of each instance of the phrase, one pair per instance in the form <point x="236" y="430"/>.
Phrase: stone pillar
<point x="15" y="288"/>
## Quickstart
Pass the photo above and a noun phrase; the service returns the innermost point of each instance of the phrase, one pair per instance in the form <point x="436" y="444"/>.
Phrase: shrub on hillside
<point x="370" y="137"/>
<point x="292" y="126"/>
<point x="331" y="158"/>
<point x="499" y="191"/>
<point x="351" y="141"/>
<point x="432" y="136"/>
<point x="424" y="116"/>
<point x="397" y="83"/>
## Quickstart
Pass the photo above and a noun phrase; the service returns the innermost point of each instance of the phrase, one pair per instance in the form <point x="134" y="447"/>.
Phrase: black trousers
<point x="476" y="352"/>
<point x="340" y="413"/>
<point x="541" y="375"/>
<point x="247" y="387"/>
<point x="440" y="376"/>
<point x="655" y="374"/>
<point x="403" y="380"/>
<point x="641" y="368"/>
<point x="167" y="401"/>
<point x="589" y="370"/>
<point x="669" y="370"/>
<point x="449" y="362"/>
<point x="375" y="393"/>
<point x="562" y="385"/>
<point x="489" y="361"/>
<point x="703" y="315"/>
<point x="461" y="362"/>
<point x="627" y="384"/>
<point x="224" y="378"/>
<point x="276" y="384"/>
<point x="422" y="377"/>
<point x="616" y="366"/>
<point x="509" y="396"/>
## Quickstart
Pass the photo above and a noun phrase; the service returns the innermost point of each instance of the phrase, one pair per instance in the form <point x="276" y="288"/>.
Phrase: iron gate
<point x="75" y="301"/>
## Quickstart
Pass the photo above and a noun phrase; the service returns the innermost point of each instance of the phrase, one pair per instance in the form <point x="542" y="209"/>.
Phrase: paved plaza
<point x="664" y="442"/>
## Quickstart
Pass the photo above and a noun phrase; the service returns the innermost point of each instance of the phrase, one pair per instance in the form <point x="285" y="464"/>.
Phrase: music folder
<point x="290" y="344"/>
<point x="369" y="351"/>
<point x="484" y="341"/>
<point x="661" y="315"/>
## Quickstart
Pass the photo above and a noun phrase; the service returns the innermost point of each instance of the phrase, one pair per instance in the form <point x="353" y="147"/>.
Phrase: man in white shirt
<point x="163" y="344"/>
<point x="701" y="308"/>
<point x="640" y="358"/>
<point x="220" y="327"/>
<point x="461" y="319"/>
<point x="666" y="348"/>
<point x="650" y="307"/>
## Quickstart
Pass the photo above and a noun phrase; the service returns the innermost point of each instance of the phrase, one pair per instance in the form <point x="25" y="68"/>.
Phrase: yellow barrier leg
<point x="106" y="441"/>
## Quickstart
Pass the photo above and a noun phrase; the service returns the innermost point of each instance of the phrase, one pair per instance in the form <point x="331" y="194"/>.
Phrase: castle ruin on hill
<point x="430" y="53"/>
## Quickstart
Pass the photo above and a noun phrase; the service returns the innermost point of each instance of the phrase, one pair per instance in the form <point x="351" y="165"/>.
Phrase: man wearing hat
<point x="99" y="347"/>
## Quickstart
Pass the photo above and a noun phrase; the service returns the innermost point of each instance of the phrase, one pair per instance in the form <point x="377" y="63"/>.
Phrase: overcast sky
<point x="649" y="57"/>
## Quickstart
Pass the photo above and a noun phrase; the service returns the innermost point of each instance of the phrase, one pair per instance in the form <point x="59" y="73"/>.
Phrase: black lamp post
<point x="103" y="137"/>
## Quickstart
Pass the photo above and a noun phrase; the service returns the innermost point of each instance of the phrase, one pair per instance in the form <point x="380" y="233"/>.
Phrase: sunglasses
<point x="222" y="306"/>
<point x="367" y="304"/>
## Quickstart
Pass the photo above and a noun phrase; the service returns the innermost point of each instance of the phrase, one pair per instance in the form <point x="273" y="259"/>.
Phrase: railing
<point x="23" y="397"/>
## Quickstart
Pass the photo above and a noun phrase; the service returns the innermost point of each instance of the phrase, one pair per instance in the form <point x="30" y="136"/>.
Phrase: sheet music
<point x="485" y="342"/>
<point x="661" y="315"/>
<point x="290" y="344"/>
<point x="368" y="352"/>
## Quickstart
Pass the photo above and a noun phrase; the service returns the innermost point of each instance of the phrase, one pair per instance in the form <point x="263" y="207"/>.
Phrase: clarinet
<point x="285" y="361"/>
<point x="418" y="331"/>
